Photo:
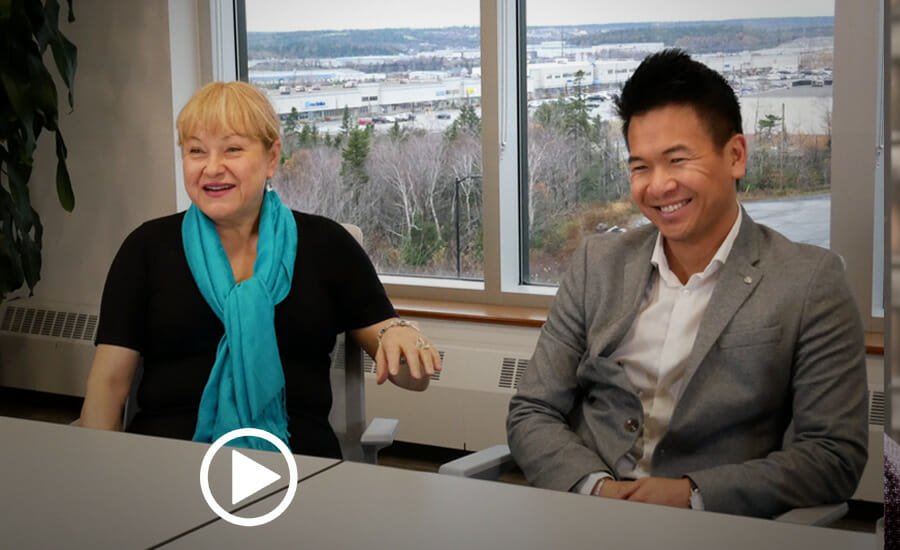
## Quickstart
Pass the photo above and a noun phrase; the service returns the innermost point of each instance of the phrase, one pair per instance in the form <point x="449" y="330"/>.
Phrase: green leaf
<point x="49" y="26"/>
<point x="11" y="276"/>
<point x="29" y="103"/>
<point x="65" y="55"/>
<point x="31" y="254"/>
<point x="43" y="90"/>
<point x="63" y="183"/>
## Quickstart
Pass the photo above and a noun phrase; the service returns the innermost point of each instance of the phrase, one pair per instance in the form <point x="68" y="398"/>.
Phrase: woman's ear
<point x="274" y="156"/>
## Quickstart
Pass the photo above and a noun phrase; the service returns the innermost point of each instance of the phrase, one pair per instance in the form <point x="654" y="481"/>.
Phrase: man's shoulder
<point x="623" y="243"/>
<point x="776" y="247"/>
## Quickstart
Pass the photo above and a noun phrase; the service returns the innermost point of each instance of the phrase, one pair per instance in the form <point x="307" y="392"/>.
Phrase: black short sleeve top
<point x="152" y="304"/>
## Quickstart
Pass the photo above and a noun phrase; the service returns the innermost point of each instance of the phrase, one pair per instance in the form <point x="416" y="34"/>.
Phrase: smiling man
<point x="703" y="361"/>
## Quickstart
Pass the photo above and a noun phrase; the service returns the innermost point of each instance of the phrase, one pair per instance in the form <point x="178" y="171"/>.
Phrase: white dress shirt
<point x="654" y="352"/>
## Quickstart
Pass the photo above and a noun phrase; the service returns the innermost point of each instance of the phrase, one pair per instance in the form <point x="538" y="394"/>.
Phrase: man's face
<point x="680" y="180"/>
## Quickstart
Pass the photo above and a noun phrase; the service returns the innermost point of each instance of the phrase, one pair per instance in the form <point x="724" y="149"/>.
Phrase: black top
<point x="152" y="304"/>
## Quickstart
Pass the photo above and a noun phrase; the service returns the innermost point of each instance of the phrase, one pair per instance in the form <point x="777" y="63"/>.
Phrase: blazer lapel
<point x="737" y="280"/>
<point x="636" y="276"/>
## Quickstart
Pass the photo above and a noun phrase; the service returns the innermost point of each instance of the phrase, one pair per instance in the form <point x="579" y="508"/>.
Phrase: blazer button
<point x="632" y="425"/>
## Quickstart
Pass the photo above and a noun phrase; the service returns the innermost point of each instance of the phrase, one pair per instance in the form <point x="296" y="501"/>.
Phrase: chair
<point x="348" y="393"/>
<point x="348" y="409"/>
<point x="490" y="463"/>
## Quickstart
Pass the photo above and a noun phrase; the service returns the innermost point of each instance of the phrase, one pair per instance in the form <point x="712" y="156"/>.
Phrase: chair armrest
<point x="815" y="515"/>
<point x="485" y="464"/>
<point x="378" y="435"/>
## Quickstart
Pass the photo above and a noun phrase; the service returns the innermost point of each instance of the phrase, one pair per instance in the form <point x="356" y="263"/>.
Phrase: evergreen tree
<point x="467" y="122"/>
<point x="345" y="121"/>
<point x="291" y="122"/>
<point x="354" y="155"/>
<point x="577" y="122"/>
<point x="397" y="133"/>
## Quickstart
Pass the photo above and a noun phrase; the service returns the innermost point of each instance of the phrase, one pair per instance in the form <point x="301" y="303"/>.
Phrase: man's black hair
<point x="671" y="77"/>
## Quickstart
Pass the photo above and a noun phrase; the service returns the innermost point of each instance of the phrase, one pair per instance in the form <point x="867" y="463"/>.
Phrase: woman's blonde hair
<point x="234" y="107"/>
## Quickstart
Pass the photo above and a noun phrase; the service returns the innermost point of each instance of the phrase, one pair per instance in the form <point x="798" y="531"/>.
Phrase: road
<point x="801" y="219"/>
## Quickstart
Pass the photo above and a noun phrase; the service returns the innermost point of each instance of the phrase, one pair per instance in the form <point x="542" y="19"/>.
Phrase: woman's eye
<point x="233" y="149"/>
<point x="194" y="151"/>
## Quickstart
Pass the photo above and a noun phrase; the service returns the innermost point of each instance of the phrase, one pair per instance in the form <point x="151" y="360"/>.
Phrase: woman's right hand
<point x="108" y="385"/>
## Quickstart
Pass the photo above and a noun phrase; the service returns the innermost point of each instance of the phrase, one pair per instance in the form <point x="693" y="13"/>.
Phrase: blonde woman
<point x="234" y="305"/>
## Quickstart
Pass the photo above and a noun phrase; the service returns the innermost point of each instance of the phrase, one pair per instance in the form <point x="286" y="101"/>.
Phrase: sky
<point x="293" y="15"/>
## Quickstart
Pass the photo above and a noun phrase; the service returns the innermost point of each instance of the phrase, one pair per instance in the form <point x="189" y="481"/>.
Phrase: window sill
<point x="520" y="316"/>
<point x="471" y="312"/>
<point x="875" y="343"/>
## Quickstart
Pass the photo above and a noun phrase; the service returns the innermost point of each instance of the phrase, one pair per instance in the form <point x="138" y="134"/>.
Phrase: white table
<point x="69" y="487"/>
<point x="360" y="506"/>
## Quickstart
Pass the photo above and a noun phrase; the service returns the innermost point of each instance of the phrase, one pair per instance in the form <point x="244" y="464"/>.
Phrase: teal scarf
<point x="246" y="386"/>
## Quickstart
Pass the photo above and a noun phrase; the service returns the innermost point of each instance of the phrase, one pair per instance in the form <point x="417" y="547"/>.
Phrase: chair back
<point x="348" y="389"/>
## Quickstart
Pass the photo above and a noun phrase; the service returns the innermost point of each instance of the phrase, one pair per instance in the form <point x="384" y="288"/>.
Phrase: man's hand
<point x="653" y="490"/>
<point x="615" y="489"/>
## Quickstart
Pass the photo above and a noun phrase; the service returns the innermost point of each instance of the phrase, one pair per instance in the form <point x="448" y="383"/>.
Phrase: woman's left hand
<point x="404" y="356"/>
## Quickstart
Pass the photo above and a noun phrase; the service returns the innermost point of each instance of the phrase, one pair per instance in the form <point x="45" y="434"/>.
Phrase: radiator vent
<point x="337" y="354"/>
<point x="437" y="375"/>
<point x="47" y="322"/>
<point x="511" y="371"/>
<point x="876" y="408"/>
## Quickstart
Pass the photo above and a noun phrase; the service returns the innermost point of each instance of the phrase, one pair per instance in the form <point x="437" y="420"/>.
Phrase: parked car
<point x="366" y="121"/>
<point x="444" y="116"/>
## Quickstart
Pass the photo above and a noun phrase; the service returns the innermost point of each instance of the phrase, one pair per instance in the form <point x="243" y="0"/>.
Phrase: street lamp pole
<point x="456" y="215"/>
<point x="458" y="181"/>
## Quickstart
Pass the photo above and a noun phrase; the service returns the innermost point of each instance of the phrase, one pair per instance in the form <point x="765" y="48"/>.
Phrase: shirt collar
<point x="659" y="260"/>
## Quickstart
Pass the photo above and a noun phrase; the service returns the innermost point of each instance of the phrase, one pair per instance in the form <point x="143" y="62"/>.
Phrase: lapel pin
<point x="748" y="280"/>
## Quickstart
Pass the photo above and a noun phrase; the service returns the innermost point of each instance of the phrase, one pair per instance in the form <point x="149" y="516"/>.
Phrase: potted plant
<point x="28" y="105"/>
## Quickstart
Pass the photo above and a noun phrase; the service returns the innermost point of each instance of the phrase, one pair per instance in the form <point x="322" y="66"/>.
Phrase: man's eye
<point x="677" y="160"/>
<point x="638" y="168"/>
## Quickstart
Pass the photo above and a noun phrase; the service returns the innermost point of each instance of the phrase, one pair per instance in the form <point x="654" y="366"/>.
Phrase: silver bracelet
<point x="397" y="323"/>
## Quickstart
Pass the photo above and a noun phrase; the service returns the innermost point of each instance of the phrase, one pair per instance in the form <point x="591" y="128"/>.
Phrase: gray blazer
<point x="780" y="340"/>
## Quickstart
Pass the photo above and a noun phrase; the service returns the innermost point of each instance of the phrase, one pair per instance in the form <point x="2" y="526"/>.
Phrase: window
<point x="381" y="125"/>
<point x="575" y="180"/>
<point x="465" y="216"/>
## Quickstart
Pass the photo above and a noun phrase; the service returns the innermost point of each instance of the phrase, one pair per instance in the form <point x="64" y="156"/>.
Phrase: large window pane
<point x="381" y="111"/>
<point x="778" y="57"/>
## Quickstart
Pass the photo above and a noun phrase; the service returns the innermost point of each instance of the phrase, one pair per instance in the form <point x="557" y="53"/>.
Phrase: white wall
<point x="120" y="145"/>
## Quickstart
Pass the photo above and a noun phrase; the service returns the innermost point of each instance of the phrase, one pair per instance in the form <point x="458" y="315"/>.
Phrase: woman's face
<point x="225" y="175"/>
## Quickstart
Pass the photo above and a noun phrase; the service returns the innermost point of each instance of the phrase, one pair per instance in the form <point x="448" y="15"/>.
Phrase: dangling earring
<point x="269" y="185"/>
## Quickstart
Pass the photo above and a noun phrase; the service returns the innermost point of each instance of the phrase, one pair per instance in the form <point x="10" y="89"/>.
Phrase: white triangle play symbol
<point x="248" y="477"/>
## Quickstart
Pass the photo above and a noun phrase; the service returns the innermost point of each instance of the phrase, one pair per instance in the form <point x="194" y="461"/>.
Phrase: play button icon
<point x="248" y="477"/>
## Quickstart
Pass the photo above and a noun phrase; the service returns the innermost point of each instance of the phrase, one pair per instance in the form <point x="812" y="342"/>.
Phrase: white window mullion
<point x="224" y="50"/>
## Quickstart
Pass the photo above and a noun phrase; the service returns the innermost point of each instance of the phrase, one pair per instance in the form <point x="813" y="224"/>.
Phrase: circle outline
<point x="268" y="516"/>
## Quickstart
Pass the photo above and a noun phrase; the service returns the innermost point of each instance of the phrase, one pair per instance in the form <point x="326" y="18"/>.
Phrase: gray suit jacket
<point x="780" y="340"/>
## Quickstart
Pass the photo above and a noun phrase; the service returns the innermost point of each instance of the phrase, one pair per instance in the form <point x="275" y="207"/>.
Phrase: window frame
<point x="853" y="127"/>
